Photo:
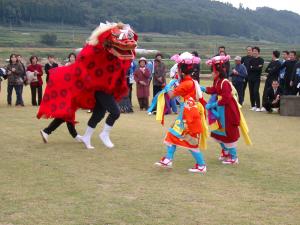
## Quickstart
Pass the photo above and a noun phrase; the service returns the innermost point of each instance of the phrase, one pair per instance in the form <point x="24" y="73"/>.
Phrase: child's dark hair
<point x="221" y="69"/>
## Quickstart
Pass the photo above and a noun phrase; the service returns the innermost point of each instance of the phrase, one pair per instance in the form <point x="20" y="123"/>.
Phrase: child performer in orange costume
<point x="190" y="126"/>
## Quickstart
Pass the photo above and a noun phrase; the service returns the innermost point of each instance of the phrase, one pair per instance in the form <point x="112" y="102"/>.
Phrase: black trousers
<point x="39" y="90"/>
<point x="156" y="89"/>
<point x="268" y="85"/>
<point x="104" y="102"/>
<point x="245" y="87"/>
<point x="18" y="89"/>
<point x="130" y="93"/>
<point x="144" y="103"/>
<point x="268" y="105"/>
<point x="254" y="92"/>
<point x="56" y="123"/>
<point x="239" y="86"/>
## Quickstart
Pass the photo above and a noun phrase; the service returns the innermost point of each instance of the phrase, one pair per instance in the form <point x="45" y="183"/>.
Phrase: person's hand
<point x="143" y="83"/>
<point x="291" y="83"/>
<point x="160" y="79"/>
<point x="203" y="88"/>
<point x="13" y="70"/>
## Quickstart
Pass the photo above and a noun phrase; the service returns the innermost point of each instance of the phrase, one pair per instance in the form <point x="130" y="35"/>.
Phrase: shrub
<point x="49" y="39"/>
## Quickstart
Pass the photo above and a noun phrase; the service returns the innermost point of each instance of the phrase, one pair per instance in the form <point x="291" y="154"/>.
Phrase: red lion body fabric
<point x="73" y="87"/>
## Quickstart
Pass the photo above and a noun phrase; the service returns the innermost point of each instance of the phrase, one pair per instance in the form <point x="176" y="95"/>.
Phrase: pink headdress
<point x="186" y="58"/>
<point x="218" y="59"/>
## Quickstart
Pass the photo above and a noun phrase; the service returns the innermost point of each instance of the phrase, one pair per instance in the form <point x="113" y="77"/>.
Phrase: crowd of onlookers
<point x="283" y="78"/>
<point x="18" y="75"/>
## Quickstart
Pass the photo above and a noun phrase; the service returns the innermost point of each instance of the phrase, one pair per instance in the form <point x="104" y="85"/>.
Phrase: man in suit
<point x="273" y="71"/>
<point x="273" y="97"/>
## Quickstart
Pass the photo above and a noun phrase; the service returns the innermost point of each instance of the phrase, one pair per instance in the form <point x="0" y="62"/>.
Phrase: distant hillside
<point x="202" y="17"/>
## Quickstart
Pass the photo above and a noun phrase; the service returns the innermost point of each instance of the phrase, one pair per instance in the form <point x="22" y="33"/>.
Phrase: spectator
<point x="285" y="57"/>
<point x="15" y="80"/>
<point x="36" y="86"/>
<point x="196" y="72"/>
<point x="273" y="97"/>
<point x="130" y="78"/>
<point x="71" y="59"/>
<point x="245" y="60"/>
<point x="226" y="64"/>
<point x="2" y="75"/>
<point x="273" y="71"/>
<point x="289" y="66"/>
<point x="141" y="77"/>
<point x="296" y="79"/>
<point x="159" y="78"/>
<point x="255" y="69"/>
<point x="239" y="73"/>
<point x="50" y="65"/>
<point x="20" y="60"/>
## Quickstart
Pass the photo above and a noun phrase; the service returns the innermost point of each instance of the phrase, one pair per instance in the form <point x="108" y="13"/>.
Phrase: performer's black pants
<point x="254" y="92"/>
<point x="56" y="123"/>
<point x="104" y="102"/>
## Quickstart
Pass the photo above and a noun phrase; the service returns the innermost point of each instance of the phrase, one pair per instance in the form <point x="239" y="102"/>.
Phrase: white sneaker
<point x="149" y="113"/>
<point x="44" y="136"/>
<point x="78" y="138"/>
<point x="258" y="110"/>
<point x="87" y="142"/>
<point x="253" y="108"/>
<point x="198" y="169"/>
<point x="164" y="162"/>
<point x="104" y="137"/>
<point x="263" y="109"/>
<point x="231" y="161"/>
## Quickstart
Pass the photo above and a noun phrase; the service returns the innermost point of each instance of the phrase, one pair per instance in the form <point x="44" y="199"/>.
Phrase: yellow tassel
<point x="160" y="107"/>
<point x="204" y="134"/>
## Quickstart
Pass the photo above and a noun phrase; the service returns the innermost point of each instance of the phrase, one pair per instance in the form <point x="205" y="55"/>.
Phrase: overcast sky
<point x="291" y="5"/>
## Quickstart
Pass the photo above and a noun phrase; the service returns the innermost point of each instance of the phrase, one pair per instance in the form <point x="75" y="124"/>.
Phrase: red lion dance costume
<point x="94" y="81"/>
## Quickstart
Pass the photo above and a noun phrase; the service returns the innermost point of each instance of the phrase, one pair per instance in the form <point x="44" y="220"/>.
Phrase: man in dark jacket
<point x="273" y="71"/>
<point x="296" y="78"/>
<point x="255" y="69"/>
<point x="50" y="65"/>
<point x="245" y="60"/>
<point x="289" y="66"/>
<point x="273" y="97"/>
<point x="238" y="75"/>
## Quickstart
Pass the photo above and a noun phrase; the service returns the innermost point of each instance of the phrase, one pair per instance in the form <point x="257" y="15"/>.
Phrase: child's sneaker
<point x="224" y="155"/>
<point x="164" y="162"/>
<point x="198" y="169"/>
<point x="231" y="161"/>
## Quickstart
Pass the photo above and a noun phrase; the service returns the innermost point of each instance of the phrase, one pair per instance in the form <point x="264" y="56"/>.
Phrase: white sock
<point x="104" y="136"/>
<point x="78" y="138"/>
<point x="86" y="138"/>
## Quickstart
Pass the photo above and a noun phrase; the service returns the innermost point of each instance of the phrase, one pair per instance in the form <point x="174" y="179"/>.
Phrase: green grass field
<point x="61" y="183"/>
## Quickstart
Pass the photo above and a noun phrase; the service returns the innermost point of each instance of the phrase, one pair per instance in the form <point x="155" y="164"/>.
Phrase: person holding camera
<point x="37" y="84"/>
<point x="14" y="72"/>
